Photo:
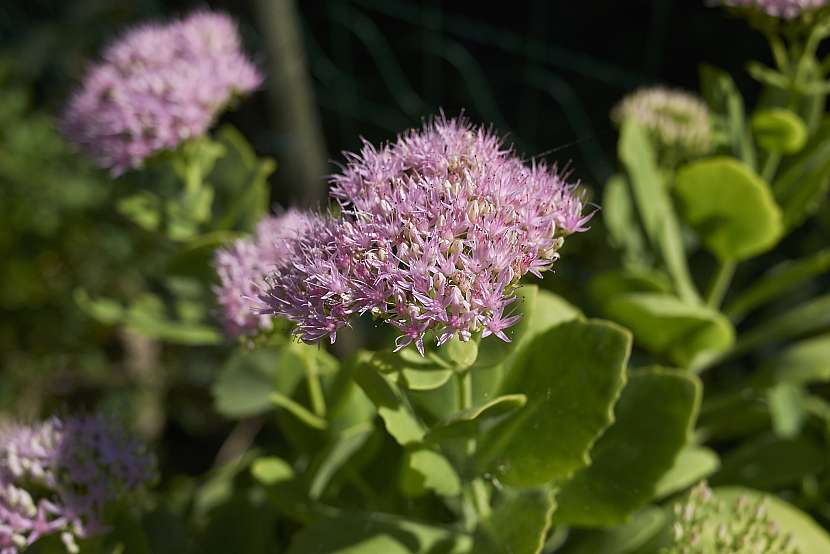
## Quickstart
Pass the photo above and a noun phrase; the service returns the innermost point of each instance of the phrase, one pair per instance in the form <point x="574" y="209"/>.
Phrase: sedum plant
<point x="423" y="392"/>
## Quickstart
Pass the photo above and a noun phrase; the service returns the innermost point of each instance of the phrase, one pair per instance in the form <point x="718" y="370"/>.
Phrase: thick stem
<point x="315" y="389"/>
<point x="771" y="166"/>
<point x="720" y="283"/>
<point x="476" y="496"/>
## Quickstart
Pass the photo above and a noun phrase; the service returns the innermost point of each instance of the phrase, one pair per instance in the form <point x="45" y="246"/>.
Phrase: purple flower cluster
<point x="786" y="9"/>
<point x="242" y="268"/>
<point x="434" y="232"/>
<point x="57" y="477"/>
<point x="156" y="86"/>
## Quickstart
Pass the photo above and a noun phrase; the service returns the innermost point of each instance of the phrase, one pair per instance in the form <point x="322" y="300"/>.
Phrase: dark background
<point x="545" y="73"/>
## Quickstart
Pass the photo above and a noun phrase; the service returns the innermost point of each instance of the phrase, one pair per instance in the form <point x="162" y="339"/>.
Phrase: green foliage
<point x="653" y="418"/>
<point x="693" y="464"/>
<point x="778" y="280"/>
<point x="802" y="183"/>
<point x="779" y="130"/>
<point x="374" y="533"/>
<point x="518" y="524"/>
<point x="425" y="469"/>
<point x="569" y="403"/>
<point x="730" y="208"/>
<point x="654" y="206"/>
<point x="727" y="106"/>
<point x="393" y="407"/>
<point x="549" y="443"/>
<point x="682" y="333"/>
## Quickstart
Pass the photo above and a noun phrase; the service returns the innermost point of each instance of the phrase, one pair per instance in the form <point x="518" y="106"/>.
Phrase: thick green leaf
<point x="425" y="380"/>
<point x="271" y="470"/>
<point x="103" y="310"/>
<point x="729" y="207"/>
<point x="244" y="179"/>
<point x="803" y="179"/>
<point x="373" y="533"/>
<point x="663" y="324"/>
<point x="427" y="470"/>
<point x="348" y="407"/>
<point x="335" y="456"/>
<point x="540" y="310"/>
<point x="804" y="362"/>
<point x="637" y="155"/>
<point x="779" y="130"/>
<point x="693" y="464"/>
<point x="398" y="416"/>
<point x="654" y="417"/>
<point x="620" y="218"/>
<point x="786" y="408"/>
<point x="468" y="423"/>
<point x="519" y="523"/>
<point x="636" y="536"/>
<point x="654" y="205"/>
<point x="492" y="350"/>
<point x="808" y="537"/>
<point x="770" y="462"/>
<point x="608" y="285"/>
<point x="462" y="354"/>
<point x="412" y="371"/>
<point x="727" y="105"/>
<point x="245" y="384"/>
<point x="551" y="310"/>
<point x="776" y="281"/>
<point x="571" y="376"/>
<point x="143" y="209"/>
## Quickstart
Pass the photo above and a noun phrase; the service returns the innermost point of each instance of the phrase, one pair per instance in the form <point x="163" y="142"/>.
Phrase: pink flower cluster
<point x="242" y="268"/>
<point x="786" y="9"/>
<point x="433" y="234"/>
<point x="157" y="85"/>
<point x="58" y="476"/>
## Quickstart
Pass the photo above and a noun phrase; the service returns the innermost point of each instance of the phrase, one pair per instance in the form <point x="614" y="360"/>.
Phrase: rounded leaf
<point x="729" y="206"/>
<point x="667" y="326"/>
<point x="779" y="130"/>
<point x="571" y="376"/>
<point x="654" y="418"/>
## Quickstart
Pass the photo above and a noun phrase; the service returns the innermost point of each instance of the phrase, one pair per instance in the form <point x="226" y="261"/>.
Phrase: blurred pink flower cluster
<point x="156" y="86"/>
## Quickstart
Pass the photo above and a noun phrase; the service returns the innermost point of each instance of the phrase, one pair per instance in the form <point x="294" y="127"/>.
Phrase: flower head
<point x="704" y="524"/>
<point x="435" y="231"/>
<point x="678" y="121"/>
<point x="242" y="268"/>
<point x="785" y="9"/>
<point x="57" y="477"/>
<point x="157" y="85"/>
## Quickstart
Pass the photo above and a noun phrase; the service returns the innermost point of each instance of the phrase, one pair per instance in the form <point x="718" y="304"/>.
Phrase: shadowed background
<point x="544" y="73"/>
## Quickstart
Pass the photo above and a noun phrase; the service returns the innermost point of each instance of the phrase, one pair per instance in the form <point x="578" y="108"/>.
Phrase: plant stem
<point x="315" y="389"/>
<point x="771" y="166"/>
<point x="476" y="493"/>
<point x="465" y="393"/>
<point x="720" y="283"/>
